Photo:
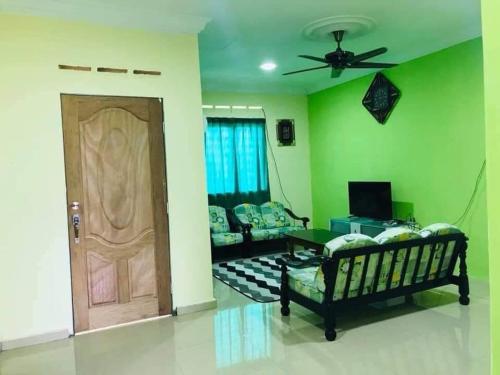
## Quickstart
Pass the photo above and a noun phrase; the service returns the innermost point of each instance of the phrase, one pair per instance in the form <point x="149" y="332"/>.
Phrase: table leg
<point x="290" y="245"/>
<point x="318" y="249"/>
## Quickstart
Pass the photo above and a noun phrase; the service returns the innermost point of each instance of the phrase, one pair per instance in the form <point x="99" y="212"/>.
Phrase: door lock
<point x="75" y="221"/>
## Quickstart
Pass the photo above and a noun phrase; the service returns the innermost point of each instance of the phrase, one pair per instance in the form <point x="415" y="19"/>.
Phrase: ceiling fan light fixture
<point x="268" y="66"/>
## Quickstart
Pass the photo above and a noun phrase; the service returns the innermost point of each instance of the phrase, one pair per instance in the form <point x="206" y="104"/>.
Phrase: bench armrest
<point x="236" y="224"/>
<point x="304" y="219"/>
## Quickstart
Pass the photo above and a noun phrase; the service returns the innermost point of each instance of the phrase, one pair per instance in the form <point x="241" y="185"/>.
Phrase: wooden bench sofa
<point x="374" y="272"/>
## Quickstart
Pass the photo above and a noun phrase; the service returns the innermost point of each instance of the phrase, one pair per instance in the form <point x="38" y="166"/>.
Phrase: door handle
<point x="75" y="221"/>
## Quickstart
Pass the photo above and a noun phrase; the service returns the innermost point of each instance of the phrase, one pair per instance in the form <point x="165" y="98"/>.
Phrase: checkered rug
<point x="256" y="278"/>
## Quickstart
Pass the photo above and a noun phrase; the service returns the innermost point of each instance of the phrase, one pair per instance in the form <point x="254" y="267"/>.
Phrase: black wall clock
<point x="381" y="98"/>
<point x="285" y="132"/>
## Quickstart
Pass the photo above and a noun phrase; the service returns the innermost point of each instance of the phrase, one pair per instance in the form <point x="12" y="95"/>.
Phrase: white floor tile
<point x="434" y="335"/>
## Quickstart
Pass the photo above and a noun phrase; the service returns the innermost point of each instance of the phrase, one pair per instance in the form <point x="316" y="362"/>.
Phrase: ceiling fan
<point x="339" y="59"/>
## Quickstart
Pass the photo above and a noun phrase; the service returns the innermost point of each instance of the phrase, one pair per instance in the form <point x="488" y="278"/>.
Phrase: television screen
<point x="370" y="199"/>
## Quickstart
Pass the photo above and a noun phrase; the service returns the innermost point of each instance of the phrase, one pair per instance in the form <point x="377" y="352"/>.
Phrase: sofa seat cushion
<point x="265" y="234"/>
<point x="218" y="219"/>
<point x="250" y="214"/>
<point x="224" y="239"/>
<point x="274" y="215"/>
<point x="302" y="282"/>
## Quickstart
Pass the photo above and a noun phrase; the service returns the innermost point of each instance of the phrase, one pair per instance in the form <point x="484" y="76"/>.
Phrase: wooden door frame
<point x="159" y="204"/>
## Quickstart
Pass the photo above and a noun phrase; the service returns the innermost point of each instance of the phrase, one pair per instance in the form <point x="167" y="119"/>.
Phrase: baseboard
<point x="135" y="322"/>
<point x="209" y="305"/>
<point x="34" y="340"/>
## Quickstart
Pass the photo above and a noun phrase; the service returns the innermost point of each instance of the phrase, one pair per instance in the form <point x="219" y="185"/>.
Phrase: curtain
<point x="236" y="161"/>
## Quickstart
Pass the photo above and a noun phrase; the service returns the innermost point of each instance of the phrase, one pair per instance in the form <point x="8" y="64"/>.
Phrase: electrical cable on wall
<point x="473" y="196"/>
<point x="274" y="161"/>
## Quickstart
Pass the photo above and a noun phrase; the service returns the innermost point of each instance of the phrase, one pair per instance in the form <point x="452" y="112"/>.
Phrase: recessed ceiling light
<point x="268" y="66"/>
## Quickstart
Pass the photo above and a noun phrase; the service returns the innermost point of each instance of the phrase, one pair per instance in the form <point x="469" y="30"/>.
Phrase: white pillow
<point x="348" y="241"/>
<point x="439" y="228"/>
<point x="396" y="235"/>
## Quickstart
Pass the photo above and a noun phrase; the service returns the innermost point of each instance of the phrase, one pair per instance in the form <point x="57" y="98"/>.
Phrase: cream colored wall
<point x="293" y="161"/>
<point x="35" y="290"/>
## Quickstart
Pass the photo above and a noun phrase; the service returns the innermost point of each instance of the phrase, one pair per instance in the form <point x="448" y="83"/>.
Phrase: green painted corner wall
<point x="491" y="32"/>
<point x="431" y="148"/>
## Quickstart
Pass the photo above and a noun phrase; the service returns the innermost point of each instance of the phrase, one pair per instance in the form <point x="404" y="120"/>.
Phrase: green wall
<point x="431" y="148"/>
<point x="491" y="32"/>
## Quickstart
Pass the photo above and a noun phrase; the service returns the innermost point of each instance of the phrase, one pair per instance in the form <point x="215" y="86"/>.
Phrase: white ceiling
<point x="240" y="34"/>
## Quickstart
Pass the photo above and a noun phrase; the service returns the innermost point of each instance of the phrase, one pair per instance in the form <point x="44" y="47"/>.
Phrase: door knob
<point x="75" y="206"/>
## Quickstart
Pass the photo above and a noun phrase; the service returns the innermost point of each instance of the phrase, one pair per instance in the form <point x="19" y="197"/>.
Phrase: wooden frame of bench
<point x="330" y="267"/>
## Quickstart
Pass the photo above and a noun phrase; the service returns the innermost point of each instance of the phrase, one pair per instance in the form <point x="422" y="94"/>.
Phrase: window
<point x="236" y="161"/>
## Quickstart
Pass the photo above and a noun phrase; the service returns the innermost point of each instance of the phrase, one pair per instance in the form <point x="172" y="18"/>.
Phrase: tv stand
<point x="363" y="225"/>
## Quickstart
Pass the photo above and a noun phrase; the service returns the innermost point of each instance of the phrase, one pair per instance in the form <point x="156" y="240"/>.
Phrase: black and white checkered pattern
<point x="256" y="278"/>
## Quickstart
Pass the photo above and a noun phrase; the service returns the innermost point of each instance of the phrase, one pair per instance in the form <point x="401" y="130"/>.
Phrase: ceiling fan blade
<point x="371" y="65"/>
<point x="368" y="55"/>
<point x="336" y="73"/>
<point x="306" y="70"/>
<point x="314" y="58"/>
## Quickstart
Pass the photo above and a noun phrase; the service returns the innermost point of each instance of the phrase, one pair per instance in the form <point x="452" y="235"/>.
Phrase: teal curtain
<point x="236" y="161"/>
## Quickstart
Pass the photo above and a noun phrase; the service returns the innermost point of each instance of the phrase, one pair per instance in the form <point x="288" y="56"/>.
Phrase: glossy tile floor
<point x="434" y="335"/>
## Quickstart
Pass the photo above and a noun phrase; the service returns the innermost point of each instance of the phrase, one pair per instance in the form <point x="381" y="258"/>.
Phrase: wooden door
<point x="116" y="187"/>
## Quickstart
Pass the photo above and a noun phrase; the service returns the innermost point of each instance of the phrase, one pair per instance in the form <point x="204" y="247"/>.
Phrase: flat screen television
<point x="370" y="199"/>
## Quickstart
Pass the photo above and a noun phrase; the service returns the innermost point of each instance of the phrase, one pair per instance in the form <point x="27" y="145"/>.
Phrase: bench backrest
<point x="393" y="267"/>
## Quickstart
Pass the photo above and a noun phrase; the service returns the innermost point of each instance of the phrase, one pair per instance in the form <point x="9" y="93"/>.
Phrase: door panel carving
<point x="116" y="166"/>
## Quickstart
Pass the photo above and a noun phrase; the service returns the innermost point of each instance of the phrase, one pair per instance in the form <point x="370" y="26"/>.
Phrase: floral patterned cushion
<point x="345" y="242"/>
<point x="397" y="234"/>
<point x="302" y="281"/>
<point x="265" y="234"/>
<point x="250" y="214"/>
<point x="340" y="283"/>
<point x="224" y="239"/>
<point x="436" y="230"/>
<point x="274" y="215"/>
<point x="439" y="229"/>
<point x="218" y="219"/>
<point x="412" y="267"/>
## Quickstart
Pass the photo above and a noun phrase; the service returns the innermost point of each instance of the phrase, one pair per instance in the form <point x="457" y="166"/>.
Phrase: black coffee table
<point x="310" y="239"/>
